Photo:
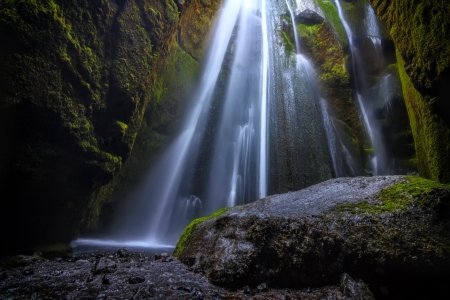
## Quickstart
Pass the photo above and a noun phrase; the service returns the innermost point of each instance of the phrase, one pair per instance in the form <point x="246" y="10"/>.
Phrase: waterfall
<point x="256" y="125"/>
<point x="368" y="97"/>
<point x="264" y="86"/>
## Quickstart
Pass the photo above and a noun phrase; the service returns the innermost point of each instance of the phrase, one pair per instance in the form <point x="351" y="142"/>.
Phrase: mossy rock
<point x="52" y="251"/>
<point x="415" y="191"/>
<point x="331" y="14"/>
<point x="78" y="80"/>
<point x="362" y="225"/>
<point x="420" y="31"/>
<point x="189" y="231"/>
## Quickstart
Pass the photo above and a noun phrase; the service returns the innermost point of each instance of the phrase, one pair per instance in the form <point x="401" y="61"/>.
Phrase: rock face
<point x="389" y="231"/>
<point x="309" y="17"/>
<point x="78" y="79"/>
<point x="421" y="33"/>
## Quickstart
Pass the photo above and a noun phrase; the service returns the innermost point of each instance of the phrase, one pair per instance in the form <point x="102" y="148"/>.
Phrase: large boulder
<point x="391" y="231"/>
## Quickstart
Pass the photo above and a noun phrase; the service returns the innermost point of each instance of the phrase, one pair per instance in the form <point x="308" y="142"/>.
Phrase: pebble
<point x="28" y="271"/>
<point x="136" y="280"/>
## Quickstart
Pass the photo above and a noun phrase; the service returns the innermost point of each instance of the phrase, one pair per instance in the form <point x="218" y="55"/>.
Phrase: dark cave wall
<point x="76" y="80"/>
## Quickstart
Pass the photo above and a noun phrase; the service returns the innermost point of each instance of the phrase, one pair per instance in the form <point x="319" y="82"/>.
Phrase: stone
<point x="56" y="273"/>
<point x="312" y="236"/>
<point x="83" y="264"/>
<point x="163" y="281"/>
<point x="309" y="17"/>
<point x="28" y="271"/>
<point x="122" y="252"/>
<point x="136" y="280"/>
<point x="105" y="265"/>
<point x="355" y="289"/>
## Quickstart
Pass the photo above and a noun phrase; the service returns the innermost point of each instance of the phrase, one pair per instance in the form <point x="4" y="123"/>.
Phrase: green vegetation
<point x="288" y="44"/>
<point x="190" y="230"/>
<point x="52" y="251"/>
<point x="419" y="30"/>
<point x="123" y="127"/>
<point x="399" y="197"/>
<point x="431" y="134"/>
<point x="332" y="15"/>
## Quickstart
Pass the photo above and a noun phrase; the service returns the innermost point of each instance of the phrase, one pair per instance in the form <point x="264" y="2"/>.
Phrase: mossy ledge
<point x="189" y="231"/>
<point x="414" y="191"/>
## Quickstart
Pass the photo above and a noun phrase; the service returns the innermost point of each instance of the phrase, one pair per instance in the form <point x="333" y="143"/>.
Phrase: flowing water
<point x="370" y="97"/>
<point x="256" y="126"/>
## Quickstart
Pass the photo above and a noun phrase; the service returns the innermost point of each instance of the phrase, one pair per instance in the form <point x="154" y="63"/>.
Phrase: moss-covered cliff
<point x="173" y="85"/>
<point x="421" y="32"/>
<point x="74" y="87"/>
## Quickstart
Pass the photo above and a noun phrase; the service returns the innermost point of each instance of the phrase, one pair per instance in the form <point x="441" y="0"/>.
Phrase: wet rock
<point x="136" y="280"/>
<point x="106" y="280"/>
<point x="22" y="261"/>
<point x="105" y="265"/>
<point x="311" y="237"/>
<point x="159" y="256"/>
<point x="122" y="252"/>
<point x="28" y="271"/>
<point x="56" y="273"/>
<point x="198" y="295"/>
<point x="83" y="264"/>
<point x="355" y="289"/>
<point x="172" y="281"/>
<point x="247" y="290"/>
<point x="309" y="17"/>
<point x="262" y="287"/>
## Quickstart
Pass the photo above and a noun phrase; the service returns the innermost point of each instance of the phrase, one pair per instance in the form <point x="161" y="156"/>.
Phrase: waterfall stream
<point x="256" y="125"/>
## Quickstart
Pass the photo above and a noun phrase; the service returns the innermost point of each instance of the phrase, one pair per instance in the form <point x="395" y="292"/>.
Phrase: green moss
<point x="399" y="197"/>
<point x="431" y="134"/>
<point x="123" y="126"/>
<point x="369" y="150"/>
<point x="188" y="232"/>
<point x="332" y="15"/>
<point x="51" y="251"/>
<point x="172" y="86"/>
<point x="418" y="29"/>
<point x="288" y="44"/>
<point x="306" y="31"/>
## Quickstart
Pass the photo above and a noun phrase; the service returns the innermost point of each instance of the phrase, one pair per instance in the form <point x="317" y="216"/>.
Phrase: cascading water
<point x="369" y="97"/>
<point x="257" y="125"/>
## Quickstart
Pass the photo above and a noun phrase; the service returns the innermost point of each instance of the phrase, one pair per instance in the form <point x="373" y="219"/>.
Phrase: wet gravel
<point x="128" y="275"/>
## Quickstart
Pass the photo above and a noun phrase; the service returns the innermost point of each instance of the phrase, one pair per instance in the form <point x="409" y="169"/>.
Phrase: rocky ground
<point x="390" y="231"/>
<point x="138" y="275"/>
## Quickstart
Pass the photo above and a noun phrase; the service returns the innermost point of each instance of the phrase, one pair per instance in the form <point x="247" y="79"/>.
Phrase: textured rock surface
<point x="77" y="81"/>
<point x="310" y="237"/>
<point x="421" y="33"/>
<point x="140" y="276"/>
